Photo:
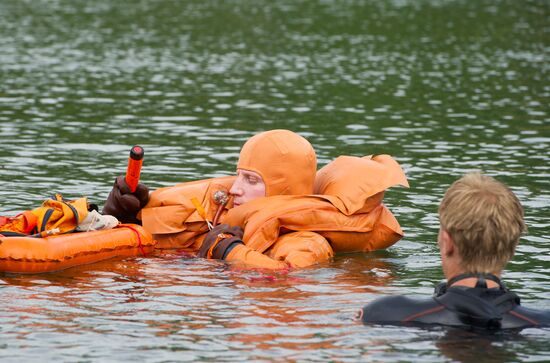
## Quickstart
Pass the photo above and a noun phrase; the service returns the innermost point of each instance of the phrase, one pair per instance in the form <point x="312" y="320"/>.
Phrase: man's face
<point x="248" y="186"/>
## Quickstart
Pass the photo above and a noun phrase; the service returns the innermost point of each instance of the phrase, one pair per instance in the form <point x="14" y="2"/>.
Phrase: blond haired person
<point x="481" y="221"/>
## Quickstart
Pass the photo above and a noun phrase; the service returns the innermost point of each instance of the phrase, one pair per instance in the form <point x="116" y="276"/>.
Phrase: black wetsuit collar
<point x="481" y="279"/>
<point x="478" y="306"/>
<point x="442" y="287"/>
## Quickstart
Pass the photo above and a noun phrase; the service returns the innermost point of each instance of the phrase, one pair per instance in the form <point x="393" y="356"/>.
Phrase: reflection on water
<point x="445" y="86"/>
<point x="192" y="305"/>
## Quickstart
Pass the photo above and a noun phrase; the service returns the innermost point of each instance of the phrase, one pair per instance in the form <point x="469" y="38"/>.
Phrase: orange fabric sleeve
<point x="297" y="249"/>
<point x="251" y="258"/>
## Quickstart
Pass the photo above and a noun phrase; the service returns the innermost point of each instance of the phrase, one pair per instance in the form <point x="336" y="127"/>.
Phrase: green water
<point x="445" y="87"/>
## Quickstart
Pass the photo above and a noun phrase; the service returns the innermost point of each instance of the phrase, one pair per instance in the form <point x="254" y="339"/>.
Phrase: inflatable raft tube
<point x="30" y="255"/>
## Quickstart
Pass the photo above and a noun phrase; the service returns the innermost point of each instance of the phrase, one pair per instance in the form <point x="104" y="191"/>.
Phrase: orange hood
<point x="285" y="160"/>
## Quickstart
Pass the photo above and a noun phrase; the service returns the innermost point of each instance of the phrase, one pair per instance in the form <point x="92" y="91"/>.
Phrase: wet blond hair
<point x="485" y="220"/>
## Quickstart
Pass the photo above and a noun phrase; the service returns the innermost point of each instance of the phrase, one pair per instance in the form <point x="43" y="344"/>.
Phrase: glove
<point x="123" y="204"/>
<point x="220" y="241"/>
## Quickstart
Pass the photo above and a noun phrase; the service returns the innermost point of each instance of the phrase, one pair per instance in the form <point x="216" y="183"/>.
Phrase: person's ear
<point x="447" y="244"/>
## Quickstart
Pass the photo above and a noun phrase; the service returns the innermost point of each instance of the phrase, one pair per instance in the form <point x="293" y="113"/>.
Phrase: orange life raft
<point x="54" y="253"/>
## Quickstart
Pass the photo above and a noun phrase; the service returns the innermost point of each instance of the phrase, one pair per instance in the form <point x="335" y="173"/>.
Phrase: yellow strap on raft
<point x="55" y="216"/>
<point x="61" y="214"/>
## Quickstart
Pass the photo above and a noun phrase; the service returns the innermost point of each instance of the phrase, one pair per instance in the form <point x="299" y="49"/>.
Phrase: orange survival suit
<point x="306" y="215"/>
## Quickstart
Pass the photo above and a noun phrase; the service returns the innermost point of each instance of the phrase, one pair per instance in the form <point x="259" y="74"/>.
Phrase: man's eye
<point x="252" y="180"/>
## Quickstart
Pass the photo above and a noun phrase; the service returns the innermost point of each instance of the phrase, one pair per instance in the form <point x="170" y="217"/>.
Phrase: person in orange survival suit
<point x="284" y="224"/>
<point x="270" y="164"/>
<point x="276" y="162"/>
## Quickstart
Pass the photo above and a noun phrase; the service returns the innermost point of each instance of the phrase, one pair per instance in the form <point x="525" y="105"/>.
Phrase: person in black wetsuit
<point x="481" y="221"/>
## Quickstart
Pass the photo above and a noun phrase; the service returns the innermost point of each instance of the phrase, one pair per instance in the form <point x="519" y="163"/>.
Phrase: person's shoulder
<point x="530" y="316"/>
<point x="395" y="309"/>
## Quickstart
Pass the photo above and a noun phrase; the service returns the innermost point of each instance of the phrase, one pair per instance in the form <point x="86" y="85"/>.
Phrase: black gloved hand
<point x="123" y="204"/>
<point x="220" y="241"/>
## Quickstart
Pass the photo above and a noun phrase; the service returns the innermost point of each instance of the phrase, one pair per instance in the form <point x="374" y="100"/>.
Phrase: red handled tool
<point x="134" y="167"/>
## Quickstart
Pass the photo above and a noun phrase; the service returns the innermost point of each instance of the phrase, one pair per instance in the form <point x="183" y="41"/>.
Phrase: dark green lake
<point x="446" y="87"/>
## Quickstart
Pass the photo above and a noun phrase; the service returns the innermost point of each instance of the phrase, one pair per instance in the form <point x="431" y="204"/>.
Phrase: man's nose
<point x="236" y="189"/>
